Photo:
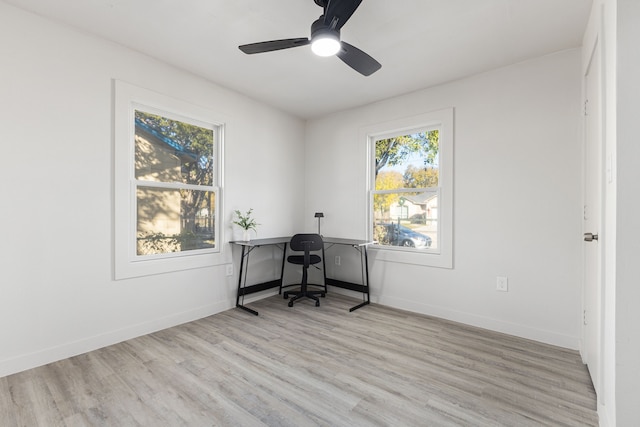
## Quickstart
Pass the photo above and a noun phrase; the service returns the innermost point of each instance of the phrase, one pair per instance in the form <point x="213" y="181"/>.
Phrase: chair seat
<point x="299" y="259"/>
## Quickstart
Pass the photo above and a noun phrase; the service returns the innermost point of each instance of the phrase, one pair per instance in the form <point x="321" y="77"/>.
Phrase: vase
<point x="246" y="235"/>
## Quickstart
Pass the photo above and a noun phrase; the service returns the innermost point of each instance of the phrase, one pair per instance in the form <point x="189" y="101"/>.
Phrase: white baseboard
<point x="603" y="417"/>
<point x="534" y="334"/>
<point x="63" y="351"/>
<point x="518" y="330"/>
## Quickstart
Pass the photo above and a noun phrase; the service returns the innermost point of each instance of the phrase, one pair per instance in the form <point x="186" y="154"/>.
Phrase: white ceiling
<point x="420" y="43"/>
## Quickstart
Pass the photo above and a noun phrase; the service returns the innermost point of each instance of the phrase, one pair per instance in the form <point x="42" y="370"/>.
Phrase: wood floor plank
<point x="309" y="366"/>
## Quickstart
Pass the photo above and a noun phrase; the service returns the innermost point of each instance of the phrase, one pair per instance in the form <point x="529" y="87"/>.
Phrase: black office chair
<point x="306" y="243"/>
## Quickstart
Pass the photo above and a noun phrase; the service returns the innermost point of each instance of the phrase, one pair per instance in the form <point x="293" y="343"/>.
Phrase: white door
<point x="592" y="316"/>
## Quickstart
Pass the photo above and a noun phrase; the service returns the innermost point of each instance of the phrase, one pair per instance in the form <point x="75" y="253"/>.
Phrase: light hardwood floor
<point x="307" y="366"/>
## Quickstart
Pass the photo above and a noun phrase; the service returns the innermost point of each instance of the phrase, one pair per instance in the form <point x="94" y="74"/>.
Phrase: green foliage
<point x="395" y="151"/>
<point x="196" y="140"/>
<point x="190" y="137"/>
<point x="245" y="221"/>
<point x="389" y="180"/>
<point x="156" y="243"/>
<point x="380" y="235"/>
<point x="386" y="181"/>
<point x="159" y="243"/>
<point x="420" y="177"/>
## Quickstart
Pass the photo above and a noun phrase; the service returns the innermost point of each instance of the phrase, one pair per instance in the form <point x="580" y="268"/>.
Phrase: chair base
<point x="306" y="293"/>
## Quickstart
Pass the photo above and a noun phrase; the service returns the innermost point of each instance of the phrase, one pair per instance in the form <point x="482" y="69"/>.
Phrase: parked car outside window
<point x="399" y="235"/>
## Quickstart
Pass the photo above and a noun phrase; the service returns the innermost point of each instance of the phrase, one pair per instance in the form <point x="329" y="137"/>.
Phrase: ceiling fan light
<point x="325" y="45"/>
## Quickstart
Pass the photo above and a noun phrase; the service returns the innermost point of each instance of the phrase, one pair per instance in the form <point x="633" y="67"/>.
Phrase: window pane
<point x="172" y="151"/>
<point x="406" y="219"/>
<point x="172" y="220"/>
<point x="407" y="161"/>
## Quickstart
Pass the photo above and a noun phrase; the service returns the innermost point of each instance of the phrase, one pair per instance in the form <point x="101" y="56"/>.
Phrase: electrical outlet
<point x="337" y="259"/>
<point x="502" y="284"/>
<point x="229" y="269"/>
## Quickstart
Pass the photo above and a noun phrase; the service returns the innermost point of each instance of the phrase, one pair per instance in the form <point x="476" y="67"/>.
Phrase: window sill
<point x="404" y="256"/>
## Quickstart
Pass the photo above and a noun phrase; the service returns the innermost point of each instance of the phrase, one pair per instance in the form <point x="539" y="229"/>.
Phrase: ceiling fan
<point x="325" y="38"/>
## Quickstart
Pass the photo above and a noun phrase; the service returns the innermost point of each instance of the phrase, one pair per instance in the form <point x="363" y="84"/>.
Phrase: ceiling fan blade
<point x="340" y="9"/>
<point x="273" y="45"/>
<point x="358" y="60"/>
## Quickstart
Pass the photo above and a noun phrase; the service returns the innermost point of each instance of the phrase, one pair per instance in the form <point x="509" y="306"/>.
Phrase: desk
<point x="282" y="242"/>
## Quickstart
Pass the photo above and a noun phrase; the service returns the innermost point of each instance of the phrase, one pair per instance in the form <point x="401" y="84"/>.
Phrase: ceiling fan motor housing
<point x="319" y="28"/>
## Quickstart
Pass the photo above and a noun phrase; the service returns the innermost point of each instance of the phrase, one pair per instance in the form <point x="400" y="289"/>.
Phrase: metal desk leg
<point x="246" y="253"/>
<point x="365" y="279"/>
<point x="324" y="272"/>
<point x="284" y="258"/>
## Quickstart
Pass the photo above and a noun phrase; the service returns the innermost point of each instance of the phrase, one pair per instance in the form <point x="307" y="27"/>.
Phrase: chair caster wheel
<point x="317" y="303"/>
<point x="290" y="304"/>
<point x="286" y="296"/>
<point x="322" y="295"/>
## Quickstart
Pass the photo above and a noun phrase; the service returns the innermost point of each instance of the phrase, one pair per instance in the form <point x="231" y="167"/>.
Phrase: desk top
<point x="281" y="240"/>
<point x="262" y="242"/>
<point x="350" y="242"/>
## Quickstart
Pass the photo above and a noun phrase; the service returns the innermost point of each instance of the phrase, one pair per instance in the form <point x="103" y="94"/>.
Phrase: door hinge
<point x="586" y="102"/>
<point x="584" y="317"/>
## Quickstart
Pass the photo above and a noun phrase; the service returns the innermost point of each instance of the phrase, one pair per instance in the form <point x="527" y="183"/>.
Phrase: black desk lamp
<point x="319" y="215"/>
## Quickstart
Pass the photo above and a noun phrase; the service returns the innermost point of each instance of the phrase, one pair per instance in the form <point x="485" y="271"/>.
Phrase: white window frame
<point x="442" y="256"/>
<point x="129" y="98"/>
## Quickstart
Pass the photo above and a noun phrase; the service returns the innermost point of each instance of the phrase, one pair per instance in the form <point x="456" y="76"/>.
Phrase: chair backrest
<point x="310" y="242"/>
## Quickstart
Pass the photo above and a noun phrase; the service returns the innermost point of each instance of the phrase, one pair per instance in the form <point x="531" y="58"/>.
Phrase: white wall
<point x="517" y="198"/>
<point x="57" y="296"/>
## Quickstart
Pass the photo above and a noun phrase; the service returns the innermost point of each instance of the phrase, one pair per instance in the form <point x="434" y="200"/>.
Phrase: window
<point x="167" y="184"/>
<point x="174" y="184"/>
<point x="410" y="189"/>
